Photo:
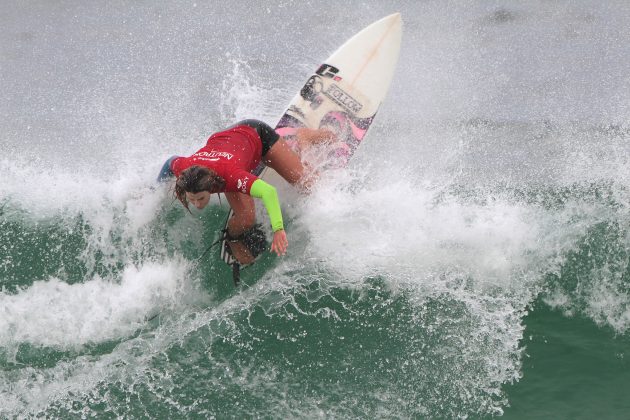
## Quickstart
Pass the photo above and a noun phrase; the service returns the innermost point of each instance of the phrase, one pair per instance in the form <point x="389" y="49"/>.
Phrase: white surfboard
<point x="344" y="94"/>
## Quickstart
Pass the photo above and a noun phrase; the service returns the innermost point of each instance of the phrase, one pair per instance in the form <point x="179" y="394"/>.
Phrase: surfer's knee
<point x="311" y="136"/>
<point x="241" y="221"/>
<point x="286" y="163"/>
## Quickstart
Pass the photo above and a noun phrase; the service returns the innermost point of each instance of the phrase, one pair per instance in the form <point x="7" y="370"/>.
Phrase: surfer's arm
<point x="167" y="170"/>
<point x="260" y="189"/>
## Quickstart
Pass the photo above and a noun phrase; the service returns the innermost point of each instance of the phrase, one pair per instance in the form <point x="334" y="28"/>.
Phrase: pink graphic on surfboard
<point x="348" y="131"/>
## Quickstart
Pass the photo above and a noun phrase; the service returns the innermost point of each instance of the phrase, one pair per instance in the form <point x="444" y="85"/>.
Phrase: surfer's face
<point x="199" y="200"/>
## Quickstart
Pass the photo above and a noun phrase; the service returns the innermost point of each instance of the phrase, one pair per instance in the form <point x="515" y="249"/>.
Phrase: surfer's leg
<point x="307" y="137"/>
<point x="244" y="216"/>
<point x="288" y="164"/>
<point x="243" y="219"/>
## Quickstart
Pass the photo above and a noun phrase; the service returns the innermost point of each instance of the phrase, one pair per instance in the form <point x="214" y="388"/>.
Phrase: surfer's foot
<point x="246" y="247"/>
<point x="239" y="251"/>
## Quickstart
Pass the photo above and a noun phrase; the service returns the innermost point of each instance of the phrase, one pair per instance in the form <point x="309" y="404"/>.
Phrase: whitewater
<point x="472" y="261"/>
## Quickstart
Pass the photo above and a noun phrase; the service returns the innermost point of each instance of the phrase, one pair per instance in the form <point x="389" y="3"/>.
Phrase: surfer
<point x="225" y="165"/>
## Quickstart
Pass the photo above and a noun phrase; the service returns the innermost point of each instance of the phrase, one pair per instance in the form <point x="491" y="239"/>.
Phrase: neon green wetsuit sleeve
<point x="269" y="196"/>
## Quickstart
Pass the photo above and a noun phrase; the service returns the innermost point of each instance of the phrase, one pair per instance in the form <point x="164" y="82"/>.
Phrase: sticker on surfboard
<point x="343" y="95"/>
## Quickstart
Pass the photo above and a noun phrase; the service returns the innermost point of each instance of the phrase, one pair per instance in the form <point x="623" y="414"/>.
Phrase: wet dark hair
<point x="195" y="180"/>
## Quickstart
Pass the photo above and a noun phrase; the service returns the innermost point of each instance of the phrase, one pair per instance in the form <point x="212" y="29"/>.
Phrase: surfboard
<point x="343" y="95"/>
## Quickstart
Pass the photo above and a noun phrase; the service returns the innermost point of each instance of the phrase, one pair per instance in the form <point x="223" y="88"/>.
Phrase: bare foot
<point x="241" y="253"/>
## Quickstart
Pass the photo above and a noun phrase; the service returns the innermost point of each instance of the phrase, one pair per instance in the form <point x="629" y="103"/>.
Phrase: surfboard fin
<point x="236" y="273"/>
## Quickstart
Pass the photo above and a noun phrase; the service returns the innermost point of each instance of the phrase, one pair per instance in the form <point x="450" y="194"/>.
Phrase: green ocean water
<point x="300" y="340"/>
<point x="472" y="261"/>
<point x="573" y="369"/>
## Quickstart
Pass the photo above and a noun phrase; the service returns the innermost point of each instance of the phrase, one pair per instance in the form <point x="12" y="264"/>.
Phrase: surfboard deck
<point x="343" y="95"/>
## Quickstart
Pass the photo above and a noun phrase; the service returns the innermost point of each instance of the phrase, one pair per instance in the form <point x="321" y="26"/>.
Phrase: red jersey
<point x="232" y="154"/>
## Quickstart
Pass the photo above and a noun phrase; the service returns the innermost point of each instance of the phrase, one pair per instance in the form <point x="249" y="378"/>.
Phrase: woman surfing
<point x="225" y="165"/>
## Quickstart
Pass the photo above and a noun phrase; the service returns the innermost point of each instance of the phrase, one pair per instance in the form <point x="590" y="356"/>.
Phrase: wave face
<point x="472" y="261"/>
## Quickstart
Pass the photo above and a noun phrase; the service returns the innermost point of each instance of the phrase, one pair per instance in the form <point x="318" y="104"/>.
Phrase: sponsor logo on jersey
<point x="337" y="94"/>
<point x="213" y="156"/>
<point x="241" y="184"/>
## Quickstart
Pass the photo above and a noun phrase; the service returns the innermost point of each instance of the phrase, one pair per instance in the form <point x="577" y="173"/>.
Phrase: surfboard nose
<point x="393" y="18"/>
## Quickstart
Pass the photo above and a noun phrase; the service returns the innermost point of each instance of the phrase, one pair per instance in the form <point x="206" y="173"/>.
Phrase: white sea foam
<point x="51" y="190"/>
<point x="66" y="316"/>
<point x="407" y="230"/>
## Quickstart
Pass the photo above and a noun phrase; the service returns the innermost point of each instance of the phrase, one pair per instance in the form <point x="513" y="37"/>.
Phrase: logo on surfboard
<point x="326" y="70"/>
<point x="315" y="85"/>
<point x="338" y="95"/>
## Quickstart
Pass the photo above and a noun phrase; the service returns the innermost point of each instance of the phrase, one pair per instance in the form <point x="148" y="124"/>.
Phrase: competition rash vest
<point x="232" y="154"/>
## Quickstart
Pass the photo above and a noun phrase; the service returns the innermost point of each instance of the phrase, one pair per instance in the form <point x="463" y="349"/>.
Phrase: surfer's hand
<point x="280" y="242"/>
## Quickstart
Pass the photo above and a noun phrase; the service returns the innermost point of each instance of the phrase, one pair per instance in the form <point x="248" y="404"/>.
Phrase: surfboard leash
<point x="236" y="267"/>
<point x="236" y="273"/>
<point x="218" y="241"/>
